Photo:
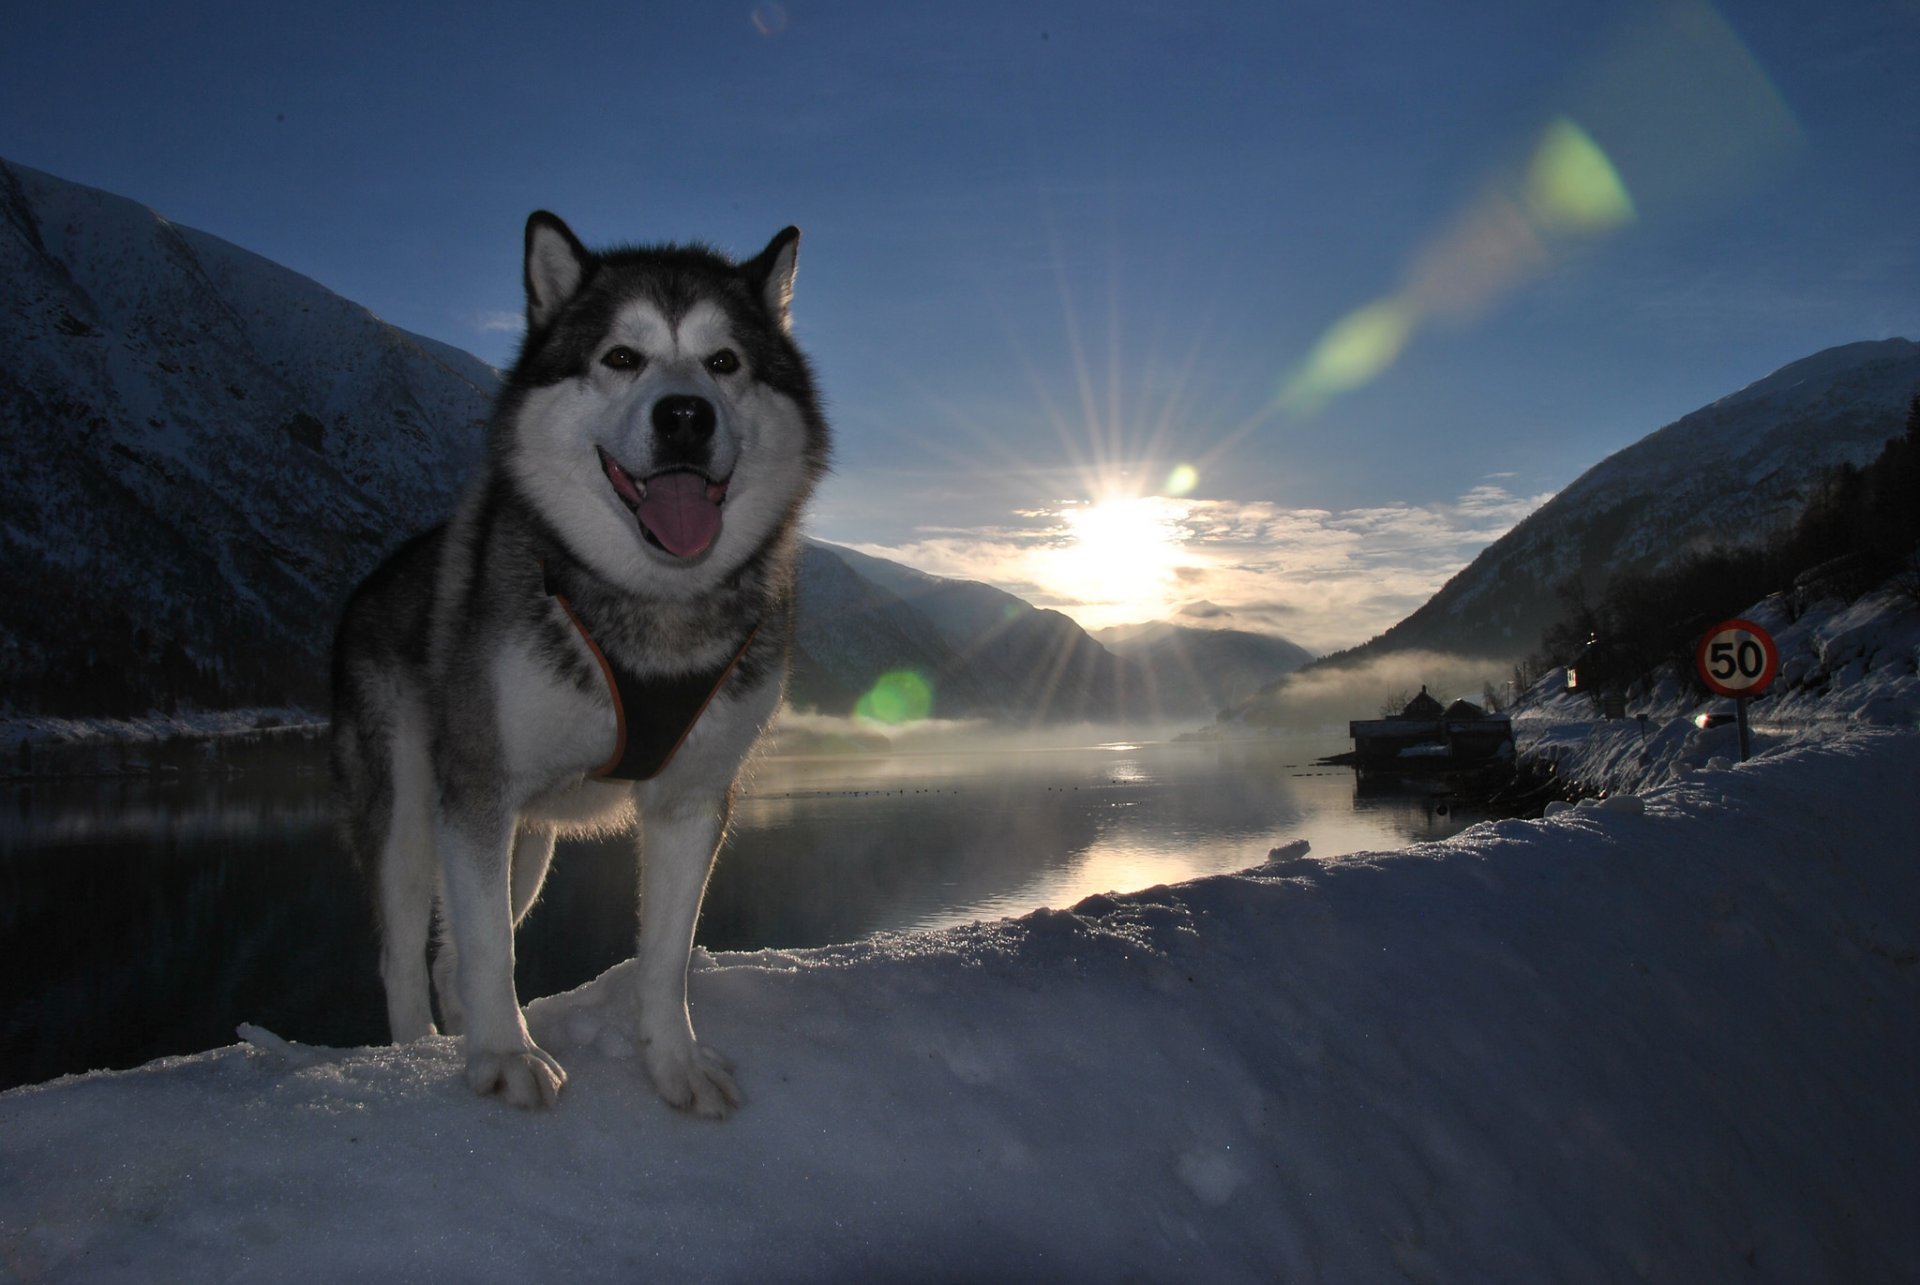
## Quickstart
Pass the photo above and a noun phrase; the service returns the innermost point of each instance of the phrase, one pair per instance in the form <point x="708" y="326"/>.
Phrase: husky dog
<point x="594" y="640"/>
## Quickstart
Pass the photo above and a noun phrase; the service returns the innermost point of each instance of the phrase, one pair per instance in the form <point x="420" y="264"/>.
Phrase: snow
<point x="155" y="726"/>
<point x="1842" y="666"/>
<point x="1668" y="1035"/>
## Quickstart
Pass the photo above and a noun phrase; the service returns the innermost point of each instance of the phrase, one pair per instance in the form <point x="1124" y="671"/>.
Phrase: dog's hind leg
<point x="405" y="887"/>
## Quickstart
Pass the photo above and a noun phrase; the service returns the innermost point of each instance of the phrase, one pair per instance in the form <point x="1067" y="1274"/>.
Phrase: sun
<point x="1116" y="561"/>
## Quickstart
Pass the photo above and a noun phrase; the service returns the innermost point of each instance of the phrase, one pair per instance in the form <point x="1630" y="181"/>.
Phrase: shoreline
<point x="36" y="748"/>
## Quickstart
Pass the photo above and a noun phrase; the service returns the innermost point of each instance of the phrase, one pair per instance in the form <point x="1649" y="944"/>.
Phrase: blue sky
<point x="1053" y="252"/>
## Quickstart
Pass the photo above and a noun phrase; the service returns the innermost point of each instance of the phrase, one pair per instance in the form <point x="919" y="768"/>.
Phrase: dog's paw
<point x="528" y="1078"/>
<point x="694" y="1078"/>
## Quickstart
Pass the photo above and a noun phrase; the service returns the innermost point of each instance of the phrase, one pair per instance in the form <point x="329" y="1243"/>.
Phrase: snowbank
<point x="33" y="745"/>
<point x="1673" y="1042"/>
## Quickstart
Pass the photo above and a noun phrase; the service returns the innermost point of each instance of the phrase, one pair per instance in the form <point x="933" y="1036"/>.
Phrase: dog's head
<point x="660" y="415"/>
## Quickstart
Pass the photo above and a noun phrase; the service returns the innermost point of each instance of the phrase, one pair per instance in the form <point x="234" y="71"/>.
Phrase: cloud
<point x="1269" y="610"/>
<point x="1327" y="579"/>
<point x="498" y="321"/>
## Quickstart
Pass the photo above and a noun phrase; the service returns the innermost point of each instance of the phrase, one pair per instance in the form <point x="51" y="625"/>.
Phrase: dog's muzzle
<point x="678" y="508"/>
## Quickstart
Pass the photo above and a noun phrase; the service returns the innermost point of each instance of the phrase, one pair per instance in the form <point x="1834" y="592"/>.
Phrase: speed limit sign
<point x="1738" y="658"/>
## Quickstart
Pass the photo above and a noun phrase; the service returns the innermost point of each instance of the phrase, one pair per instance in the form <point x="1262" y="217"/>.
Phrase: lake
<point x="142" y="916"/>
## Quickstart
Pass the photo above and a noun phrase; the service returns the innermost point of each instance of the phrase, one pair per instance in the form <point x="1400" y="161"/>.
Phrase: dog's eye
<point x="724" y="362"/>
<point x="621" y="357"/>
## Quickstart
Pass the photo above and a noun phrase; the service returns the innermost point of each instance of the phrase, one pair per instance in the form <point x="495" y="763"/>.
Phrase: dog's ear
<point x="771" y="273"/>
<point x="556" y="265"/>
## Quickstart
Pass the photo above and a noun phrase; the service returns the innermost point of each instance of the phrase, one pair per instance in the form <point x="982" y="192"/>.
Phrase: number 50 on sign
<point x="1737" y="658"/>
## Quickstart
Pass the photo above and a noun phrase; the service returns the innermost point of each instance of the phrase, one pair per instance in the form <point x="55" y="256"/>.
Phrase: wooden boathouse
<point x="1429" y="736"/>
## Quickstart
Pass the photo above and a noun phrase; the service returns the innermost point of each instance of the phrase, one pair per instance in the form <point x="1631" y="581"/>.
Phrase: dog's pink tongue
<point x="679" y="512"/>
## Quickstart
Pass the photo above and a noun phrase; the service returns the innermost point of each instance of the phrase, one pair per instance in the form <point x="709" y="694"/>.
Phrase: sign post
<point x="1738" y="658"/>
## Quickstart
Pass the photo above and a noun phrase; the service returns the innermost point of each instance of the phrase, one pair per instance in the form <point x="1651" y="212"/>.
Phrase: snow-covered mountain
<point x="204" y="451"/>
<point x="1729" y="474"/>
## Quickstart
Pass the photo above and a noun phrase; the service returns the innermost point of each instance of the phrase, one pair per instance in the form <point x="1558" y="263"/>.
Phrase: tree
<point x="1568" y="638"/>
<point x="1528" y="672"/>
<point x="1394" y="702"/>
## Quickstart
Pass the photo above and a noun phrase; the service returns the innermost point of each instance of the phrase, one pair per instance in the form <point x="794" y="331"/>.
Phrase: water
<point x="142" y="917"/>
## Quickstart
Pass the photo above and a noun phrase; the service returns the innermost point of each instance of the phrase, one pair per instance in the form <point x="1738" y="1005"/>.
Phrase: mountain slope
<point x="852" y="630"/>
<point x="1017" y="661"/>
<point x="1729" y="474"/>
<point x="204" y="452"/>
<point x="1208" y="669"/>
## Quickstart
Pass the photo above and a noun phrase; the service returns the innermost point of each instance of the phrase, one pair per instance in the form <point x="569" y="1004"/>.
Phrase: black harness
<point x="652" y="716"/>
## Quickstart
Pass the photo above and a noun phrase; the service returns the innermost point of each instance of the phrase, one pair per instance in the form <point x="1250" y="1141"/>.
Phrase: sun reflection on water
<point x="939" y="839"/>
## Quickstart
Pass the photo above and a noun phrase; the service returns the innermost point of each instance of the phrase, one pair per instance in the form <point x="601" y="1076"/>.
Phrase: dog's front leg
<point x="501" y="1055"/>
<point x="677" y="851"/>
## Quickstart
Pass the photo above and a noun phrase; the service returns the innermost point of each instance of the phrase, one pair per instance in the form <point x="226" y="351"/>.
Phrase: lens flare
<point x="769" y="19"/>
<point x="1572" y="185"/>
<point x="1357" y="348"/>
<point x="1686" y="110"/>
<point x="1182" y="480"/>
<point x="896" y="698"/>
<point x="1570" y="188"/>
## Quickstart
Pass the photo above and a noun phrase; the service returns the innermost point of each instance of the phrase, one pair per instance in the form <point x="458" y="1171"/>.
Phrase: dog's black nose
<point x="683" y="421"/>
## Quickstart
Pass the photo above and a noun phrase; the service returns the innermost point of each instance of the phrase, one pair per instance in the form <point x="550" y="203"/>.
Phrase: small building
<point x="1422" y="706"/>
<point x="1427" y="735"/>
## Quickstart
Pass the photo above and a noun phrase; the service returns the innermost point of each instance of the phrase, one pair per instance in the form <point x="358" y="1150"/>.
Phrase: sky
<point x="1254" y="314"/>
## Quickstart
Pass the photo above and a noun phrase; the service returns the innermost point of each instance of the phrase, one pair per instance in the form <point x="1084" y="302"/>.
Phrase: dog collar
<point x="652" y="716"/>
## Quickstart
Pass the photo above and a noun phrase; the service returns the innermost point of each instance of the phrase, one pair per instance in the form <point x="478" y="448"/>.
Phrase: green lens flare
<point x="1357" y="348"/>
<point x="1572" y="184"/>
<point x="896" y="698"/>
<point x="1569" y="188"/>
